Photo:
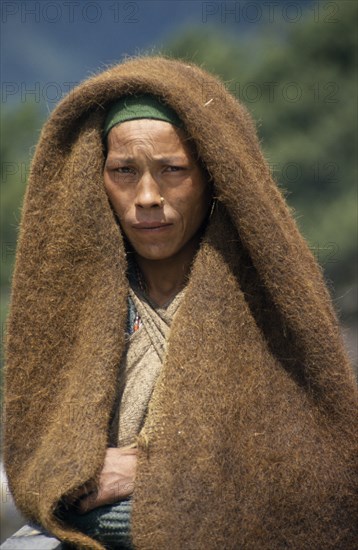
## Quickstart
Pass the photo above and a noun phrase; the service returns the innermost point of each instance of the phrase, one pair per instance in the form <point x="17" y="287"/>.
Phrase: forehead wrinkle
<point x="125" y="141"/>
<point x="151" y="143"/>
<point x="149" y="147"/>
<point x="139" y="145"/>
<point x="140" y="126"/>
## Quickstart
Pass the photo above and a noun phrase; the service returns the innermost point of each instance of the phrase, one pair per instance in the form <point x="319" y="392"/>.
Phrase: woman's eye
<point x="174" y="168"/>
<point x="124" y="170"/>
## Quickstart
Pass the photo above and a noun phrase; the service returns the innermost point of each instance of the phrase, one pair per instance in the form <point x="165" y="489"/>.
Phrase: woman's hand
<point x="116" y="481"/>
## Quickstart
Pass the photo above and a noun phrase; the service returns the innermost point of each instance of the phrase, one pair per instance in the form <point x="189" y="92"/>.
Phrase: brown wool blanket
<point x="249" y="441"/>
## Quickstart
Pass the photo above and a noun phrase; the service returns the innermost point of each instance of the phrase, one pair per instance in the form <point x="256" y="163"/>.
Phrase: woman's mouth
<point x="151" y="226"/>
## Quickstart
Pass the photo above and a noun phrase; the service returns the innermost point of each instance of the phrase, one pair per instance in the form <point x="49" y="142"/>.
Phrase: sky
<point x="49" y="46"/>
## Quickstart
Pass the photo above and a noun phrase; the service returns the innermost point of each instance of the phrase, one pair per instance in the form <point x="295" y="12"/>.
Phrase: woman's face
<point x="148" y="161"/>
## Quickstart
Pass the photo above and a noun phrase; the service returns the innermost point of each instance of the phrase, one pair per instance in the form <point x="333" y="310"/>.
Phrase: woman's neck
<point x="163" y="279"/>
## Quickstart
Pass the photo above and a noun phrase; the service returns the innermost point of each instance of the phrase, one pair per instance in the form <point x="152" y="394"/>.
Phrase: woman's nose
<point x="148" y="192"/>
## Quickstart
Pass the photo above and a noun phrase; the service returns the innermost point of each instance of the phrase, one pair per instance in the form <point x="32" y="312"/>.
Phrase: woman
<point x="161" y="197"/>
<point x="238" y="429"/>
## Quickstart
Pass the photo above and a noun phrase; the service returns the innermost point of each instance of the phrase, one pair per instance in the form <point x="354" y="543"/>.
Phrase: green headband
<point x="136" y="107"/>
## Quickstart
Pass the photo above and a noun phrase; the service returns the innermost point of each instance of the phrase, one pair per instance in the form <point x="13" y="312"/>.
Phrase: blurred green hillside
<point x="20" y="129"/>
<point x="299" y="82"/>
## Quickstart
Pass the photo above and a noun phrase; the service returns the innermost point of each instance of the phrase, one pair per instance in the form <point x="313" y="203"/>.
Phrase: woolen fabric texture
<point x="250" y="437"/>
<point x="141" y="364"/>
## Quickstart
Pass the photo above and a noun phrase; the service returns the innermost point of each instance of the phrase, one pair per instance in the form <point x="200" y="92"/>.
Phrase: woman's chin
<point x="154" y="254"/>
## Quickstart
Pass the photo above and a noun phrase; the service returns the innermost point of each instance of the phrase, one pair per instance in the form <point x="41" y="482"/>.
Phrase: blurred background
<point x="292" y="63"/>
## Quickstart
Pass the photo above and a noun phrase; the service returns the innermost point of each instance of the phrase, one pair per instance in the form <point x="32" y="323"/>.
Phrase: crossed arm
<point x="116" y="481"/>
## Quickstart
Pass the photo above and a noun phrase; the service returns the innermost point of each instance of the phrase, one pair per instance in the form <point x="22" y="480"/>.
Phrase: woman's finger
<point x="79" y="494"/>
